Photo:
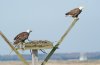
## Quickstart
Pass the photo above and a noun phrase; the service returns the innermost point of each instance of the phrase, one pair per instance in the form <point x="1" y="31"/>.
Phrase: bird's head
<point x="28" y="31"/>
<point x="81" y="7"/>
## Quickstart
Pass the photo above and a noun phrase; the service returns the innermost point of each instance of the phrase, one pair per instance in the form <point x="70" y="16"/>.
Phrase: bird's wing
<point x="22" y="36"/>
<point x="74" y="11"/>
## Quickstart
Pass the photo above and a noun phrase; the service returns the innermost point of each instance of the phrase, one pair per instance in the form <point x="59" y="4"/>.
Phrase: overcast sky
<point x="46" y="18"/>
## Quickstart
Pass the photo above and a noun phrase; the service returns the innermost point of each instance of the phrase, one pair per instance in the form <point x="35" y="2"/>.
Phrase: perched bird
<point x="75" y="12"/>
<point x="21" y="37"/>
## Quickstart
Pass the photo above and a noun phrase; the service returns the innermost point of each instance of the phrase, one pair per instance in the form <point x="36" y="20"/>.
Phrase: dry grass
<point x="55" y="63"/>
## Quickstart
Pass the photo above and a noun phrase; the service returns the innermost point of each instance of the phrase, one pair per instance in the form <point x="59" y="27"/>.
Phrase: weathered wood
<point x="12" y="47"/>
<point x="59" y="42"/>
<point x="34" y="57"/>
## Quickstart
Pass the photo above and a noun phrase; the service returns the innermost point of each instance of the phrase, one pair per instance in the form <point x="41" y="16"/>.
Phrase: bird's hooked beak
<point x="29" y="31"/>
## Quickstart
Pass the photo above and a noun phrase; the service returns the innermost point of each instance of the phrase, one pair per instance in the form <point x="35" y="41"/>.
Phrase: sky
<point x="46" y="19"/>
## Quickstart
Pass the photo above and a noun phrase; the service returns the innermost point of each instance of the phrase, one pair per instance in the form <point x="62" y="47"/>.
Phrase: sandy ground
<point x="54" y="63"/>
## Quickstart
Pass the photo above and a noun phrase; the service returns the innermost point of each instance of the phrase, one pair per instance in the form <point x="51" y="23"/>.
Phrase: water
<point x="58" y="56"/>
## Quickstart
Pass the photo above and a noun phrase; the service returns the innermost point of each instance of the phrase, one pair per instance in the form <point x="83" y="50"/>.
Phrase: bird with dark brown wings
<point x="75" y="12"/>
<point x="21" y="37"/>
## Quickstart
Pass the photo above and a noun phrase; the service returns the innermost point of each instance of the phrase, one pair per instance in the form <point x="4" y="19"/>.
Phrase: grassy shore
<point x="54" y="63"/>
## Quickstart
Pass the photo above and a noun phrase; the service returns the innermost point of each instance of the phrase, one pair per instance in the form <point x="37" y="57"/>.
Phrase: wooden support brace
<point x="34" y="57"/>
<point x="59" y="42"/>
<point x="11" y="46"/>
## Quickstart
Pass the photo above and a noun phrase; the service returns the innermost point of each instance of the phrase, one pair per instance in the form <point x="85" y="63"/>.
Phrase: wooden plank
<point x="11" y="46"/>
<point x="59" y="42"/>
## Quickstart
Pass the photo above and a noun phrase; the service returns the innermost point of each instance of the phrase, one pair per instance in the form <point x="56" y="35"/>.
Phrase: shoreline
<point x="53" y="63"/>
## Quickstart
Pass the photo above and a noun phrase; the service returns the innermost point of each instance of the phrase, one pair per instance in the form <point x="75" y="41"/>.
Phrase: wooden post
<point x="34" y="57"/>
<point x="59" y="41"/>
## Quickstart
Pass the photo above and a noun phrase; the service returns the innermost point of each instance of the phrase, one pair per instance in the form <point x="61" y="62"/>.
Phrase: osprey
<point x="75" y="12"/>
<point x="22" y="37"/>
